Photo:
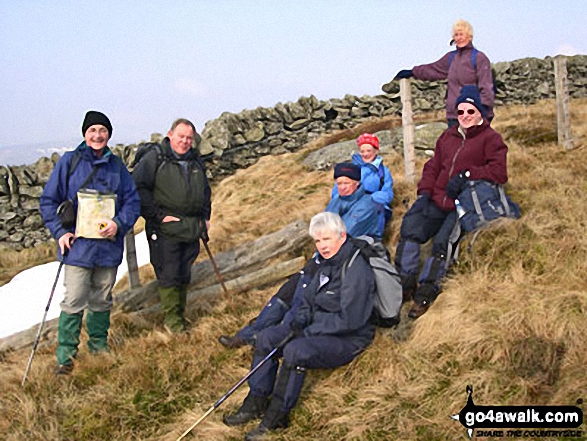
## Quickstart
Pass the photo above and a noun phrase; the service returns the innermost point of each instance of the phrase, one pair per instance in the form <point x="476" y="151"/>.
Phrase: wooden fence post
<point x="563" y="114"/>
<point x="408" y="129"/>
<point x="131" y="260"/>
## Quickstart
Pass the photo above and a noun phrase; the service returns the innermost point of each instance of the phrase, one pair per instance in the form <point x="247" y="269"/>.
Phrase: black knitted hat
<point x="92" y="118"/>
<point x="348" y="169"/>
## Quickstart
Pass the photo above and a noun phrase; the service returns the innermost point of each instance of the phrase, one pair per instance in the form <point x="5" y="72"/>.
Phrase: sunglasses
<point x="469" y="111"/>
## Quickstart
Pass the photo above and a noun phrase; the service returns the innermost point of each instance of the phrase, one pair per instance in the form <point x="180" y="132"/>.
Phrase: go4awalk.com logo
<point x="520" y="421"/>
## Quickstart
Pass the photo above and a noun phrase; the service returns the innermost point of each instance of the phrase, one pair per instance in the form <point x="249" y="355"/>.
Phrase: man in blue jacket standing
<point x="91" y="263"/>
<point x="330" y="329"/>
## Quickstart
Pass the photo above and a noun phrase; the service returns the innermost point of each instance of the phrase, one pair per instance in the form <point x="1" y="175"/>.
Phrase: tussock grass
<point x="12" y="262"/>
<point x="510" y="322"/>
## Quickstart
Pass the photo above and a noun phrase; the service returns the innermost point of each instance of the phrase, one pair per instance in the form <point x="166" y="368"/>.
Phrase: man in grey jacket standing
<point x="175" y="202"/>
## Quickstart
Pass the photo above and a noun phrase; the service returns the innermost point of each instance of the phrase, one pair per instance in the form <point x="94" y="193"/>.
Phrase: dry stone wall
<point x="234" y="141"/>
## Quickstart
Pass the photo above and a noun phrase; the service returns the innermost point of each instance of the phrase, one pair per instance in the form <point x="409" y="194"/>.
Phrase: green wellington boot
<point x="97" y="325"/>
<point x="171" y="305"/>
<point x="70" y="326"/>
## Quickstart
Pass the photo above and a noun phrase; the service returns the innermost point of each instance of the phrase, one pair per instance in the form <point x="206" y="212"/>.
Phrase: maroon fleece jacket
<point x="481" y="151"/>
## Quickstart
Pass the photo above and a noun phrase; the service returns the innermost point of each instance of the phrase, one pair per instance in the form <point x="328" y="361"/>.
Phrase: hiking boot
<point x="418" y="310"/>
<point x="64" y="369"/>
<point x="252" y="408"/>
<point x="271" y="421"/>
<point x="232" y="342"/>
<point x="409" y="285"/>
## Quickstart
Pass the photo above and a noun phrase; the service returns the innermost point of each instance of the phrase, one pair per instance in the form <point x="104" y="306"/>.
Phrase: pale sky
<point x="146" y="63"/>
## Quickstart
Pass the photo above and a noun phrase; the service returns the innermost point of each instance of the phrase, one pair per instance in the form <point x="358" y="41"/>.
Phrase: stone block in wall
<point x="296" y="111"/>
<point x="238" y="139"/>
<point x="43" y="167"/>
<point x="262" y="149"/>
<point x="376" y="110"/>
<point x="255" y="133"/>
<point x="422" y="104"/>
<point x="273" y="127"/>
<point x="274" y="142"/>
<point x="283" y="113"/>
<point x="359" y="112"/>
<point x="4" y="187"/>
<point x="319" y="114"/>
<point x="32" y="192"/>
<point x="33" y="222"/>
<point x="24" y="175"/>
<point x="298" y="124"/>
<point x="27" y="203"/>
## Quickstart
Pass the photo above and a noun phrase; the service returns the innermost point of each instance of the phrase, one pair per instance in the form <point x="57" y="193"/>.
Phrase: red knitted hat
<point x="368" y="138"/>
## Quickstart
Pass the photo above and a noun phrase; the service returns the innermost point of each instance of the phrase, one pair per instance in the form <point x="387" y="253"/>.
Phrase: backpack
<point x="474" y="53"/>
<point x="143" y="149"/>
<point x="388" y="301"/>
<point x="483" y="201"/>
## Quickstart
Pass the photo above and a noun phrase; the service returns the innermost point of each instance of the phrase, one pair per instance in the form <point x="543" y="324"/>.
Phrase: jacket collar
<point x="167" y="150"/>
<point x="471" y="132"/>
<point x="468" y="47"/>
<point x="341" y="256"/>
<point x="89" y="155"/>
<point x="358" y="194"/>
<point x="359" y="161"/>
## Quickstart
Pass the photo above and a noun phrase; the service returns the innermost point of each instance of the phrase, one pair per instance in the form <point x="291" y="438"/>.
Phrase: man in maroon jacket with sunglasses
<point x="472" y="150"/>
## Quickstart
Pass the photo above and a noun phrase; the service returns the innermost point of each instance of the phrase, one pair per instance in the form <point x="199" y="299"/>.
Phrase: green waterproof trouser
<point x="173" y="302"/>
<point x="70" y="326"/>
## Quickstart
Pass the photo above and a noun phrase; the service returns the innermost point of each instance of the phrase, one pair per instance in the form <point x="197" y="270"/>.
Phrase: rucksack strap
<point x="477" y="205"/>
<point x="348" y="263"/>
<point x="474" y="53"/>
<point x="381" y="173"/>
<point x="504" y="201"/>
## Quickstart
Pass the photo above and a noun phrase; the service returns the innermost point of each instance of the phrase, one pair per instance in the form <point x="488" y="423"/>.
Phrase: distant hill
<point x="24" y="154"/>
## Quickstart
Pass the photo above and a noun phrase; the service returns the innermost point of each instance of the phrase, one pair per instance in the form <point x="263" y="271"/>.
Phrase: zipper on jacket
<point x="454" y="159"/>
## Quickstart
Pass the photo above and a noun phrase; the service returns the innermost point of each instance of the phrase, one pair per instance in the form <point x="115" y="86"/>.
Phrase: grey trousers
<point x="88" y="288"/>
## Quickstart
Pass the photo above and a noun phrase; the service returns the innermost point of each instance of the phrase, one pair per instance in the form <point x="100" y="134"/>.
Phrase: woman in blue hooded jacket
<point x="90" y="264"/>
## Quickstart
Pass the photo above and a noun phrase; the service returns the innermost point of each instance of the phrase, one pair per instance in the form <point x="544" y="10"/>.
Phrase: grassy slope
<point x="511" y="321"/>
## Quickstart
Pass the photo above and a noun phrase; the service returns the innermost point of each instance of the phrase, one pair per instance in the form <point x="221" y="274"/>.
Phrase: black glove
<point x="297" y="329"/>
<point x="457" y="184"/>
<point x="204" y="231"/>
<point x="406" y="73"/>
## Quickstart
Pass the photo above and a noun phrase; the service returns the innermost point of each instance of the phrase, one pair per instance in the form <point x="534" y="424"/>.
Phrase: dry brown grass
<point x="13" y="262"/>
<point x="510" y="322"/>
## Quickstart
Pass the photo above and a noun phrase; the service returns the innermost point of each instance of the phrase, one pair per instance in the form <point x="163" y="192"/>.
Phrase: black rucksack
<point x="388" y="301"/>
<point x="143" y="149"/>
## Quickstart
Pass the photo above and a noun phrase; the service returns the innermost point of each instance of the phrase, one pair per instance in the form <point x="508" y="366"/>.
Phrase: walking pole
<point x="205" y="238"/>
<point x="237" y="385"/>
<point x="38" y="337"/>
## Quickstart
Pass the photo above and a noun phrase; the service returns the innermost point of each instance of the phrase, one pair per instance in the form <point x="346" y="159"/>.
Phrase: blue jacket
<point x="111" y="176"/>
<point x="371" y="180"/>
<point x="359" y="213"/>
<point x="341" y="307"/>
